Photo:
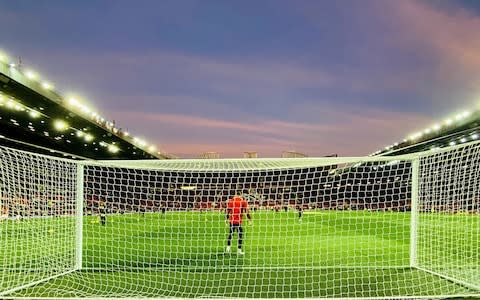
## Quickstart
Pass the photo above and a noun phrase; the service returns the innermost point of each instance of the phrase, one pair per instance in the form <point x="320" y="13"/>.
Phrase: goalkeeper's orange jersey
<point x="235" y="209"/>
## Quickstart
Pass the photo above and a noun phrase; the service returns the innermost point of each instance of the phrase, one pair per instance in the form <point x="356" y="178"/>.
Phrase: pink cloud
<point x="353" y="134"/>
<point x="452" y="34"/>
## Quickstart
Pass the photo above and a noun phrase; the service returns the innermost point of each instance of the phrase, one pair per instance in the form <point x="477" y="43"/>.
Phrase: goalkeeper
<point x="236" y="208"/>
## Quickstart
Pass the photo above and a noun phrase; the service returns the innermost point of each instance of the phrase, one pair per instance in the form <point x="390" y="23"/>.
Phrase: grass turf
<point x="181" y="254"/>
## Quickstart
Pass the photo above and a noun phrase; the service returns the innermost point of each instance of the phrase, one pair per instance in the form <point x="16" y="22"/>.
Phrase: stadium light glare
<point x="416" y="135"/>
<point x="34" y="114"/>
<point x="437" y="127"/>
<point x="60" y="125"/>
<point x="10" y="104"/>
<point x="113" y="148"/>
<point x="463" y="140"/>
<point x="73" y="102"/>
<point x="140" y="142"/>
<point x="31" y="75"/>
<point x="462" y="115"/>
<point x="452" y="143"/>
<point x="80" y="133"/>
<point x="449" y="121"/>
<point x="88" y="137"/>
<point x="152" y="148"/>
<point x="3" y="57"/>
<point x="474" y="136"/>
<point x="85" y="109"/>
<point x="47" y="85"/>
<point x="12" y="65"/>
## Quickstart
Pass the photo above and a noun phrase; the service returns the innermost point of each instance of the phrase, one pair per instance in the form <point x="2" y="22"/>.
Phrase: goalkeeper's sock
<point x="228" y="249"/>
<point x="240" y="252"/>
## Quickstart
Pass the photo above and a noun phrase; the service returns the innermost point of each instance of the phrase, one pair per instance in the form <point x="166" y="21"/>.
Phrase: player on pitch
<point x="236" y="208"/>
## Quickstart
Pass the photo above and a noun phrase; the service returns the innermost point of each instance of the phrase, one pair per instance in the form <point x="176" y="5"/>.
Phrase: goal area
<point x="366" y="227"/>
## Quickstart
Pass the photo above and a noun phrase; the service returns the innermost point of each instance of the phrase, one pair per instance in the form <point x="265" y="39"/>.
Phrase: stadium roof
<point x="459" y="129"/>
<point x="34" y="116"/>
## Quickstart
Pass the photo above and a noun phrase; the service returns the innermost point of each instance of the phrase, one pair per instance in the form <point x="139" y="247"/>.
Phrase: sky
<point x="319" y="77"/>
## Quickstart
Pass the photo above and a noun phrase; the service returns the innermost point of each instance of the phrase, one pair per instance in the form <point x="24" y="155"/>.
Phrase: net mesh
<point x="37" y="218"/>
<point x="449" y="208"/>
<point x="320" y="227"/>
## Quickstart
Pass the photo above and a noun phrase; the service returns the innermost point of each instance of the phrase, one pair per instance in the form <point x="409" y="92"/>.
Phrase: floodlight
<point x="60" y="125"/>
<point x="462" y="116"/>
<point x="416" y="135"/>
<point x="34" y="114"/>
<point x="88" y="137"/>
<point x="30" y="75"/>
<point x="113" y="148"/>
<point x="73" y="101"/>
<point x="140" y="142"/>
<point x="47" y="85"/>
<point x="3" y="57"/>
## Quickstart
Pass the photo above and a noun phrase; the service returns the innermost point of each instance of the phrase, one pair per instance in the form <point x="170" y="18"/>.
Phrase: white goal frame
<point x="414" y="159"/>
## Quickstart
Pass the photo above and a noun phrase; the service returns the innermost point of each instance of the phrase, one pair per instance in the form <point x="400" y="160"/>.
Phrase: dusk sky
<point x="319" y="77"/>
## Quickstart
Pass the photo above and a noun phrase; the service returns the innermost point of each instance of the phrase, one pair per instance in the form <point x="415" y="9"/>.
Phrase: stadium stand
<point x="35" y="117"/>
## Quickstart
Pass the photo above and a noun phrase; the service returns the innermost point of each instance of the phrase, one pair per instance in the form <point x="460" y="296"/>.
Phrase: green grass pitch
<point x="181" y="254"/>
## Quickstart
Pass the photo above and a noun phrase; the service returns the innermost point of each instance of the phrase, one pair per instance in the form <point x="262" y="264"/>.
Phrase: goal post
<point x="79" y="200"/>
<point x="414" y="213"/>
<point x="361" y="227"/>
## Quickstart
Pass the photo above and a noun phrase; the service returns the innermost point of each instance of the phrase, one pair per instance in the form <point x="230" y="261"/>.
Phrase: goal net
<point x="37" y="219"/>
<point x="405" y="226"/>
